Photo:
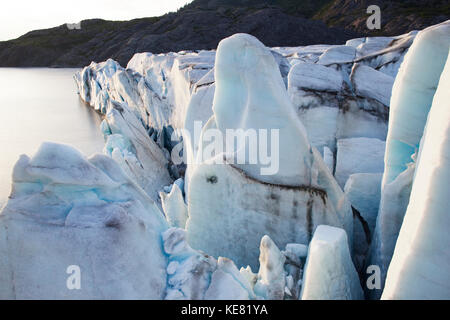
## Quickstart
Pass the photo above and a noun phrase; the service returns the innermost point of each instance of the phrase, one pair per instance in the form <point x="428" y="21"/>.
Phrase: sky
<point x="17" y="17"/>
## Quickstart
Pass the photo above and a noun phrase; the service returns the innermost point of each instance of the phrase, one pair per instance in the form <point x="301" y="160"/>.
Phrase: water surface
<point x="37" y="105"/>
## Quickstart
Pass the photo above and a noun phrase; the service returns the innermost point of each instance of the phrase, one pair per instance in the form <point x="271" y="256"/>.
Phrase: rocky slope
<point x="203" y="23"/>
<point x="397" y="16"/>
<point x="189" y="29"/>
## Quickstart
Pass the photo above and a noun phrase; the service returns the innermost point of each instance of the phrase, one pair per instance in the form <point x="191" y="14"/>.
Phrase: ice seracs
<point x="271" y="279"/>
<point x="222" y="197"/>
<point x="421" y="260"/>
<point x="183" y="264"/>
<point x="412" y="97"/>
<point x="363" y="191"/>
<point x="329" y="272"/>
<point x="250" y="94"/>
<point x="227" y="283"/>
<point x="287" y="205"/>
<point x="177" y="89"/>
<point x="370" y="83"/>
<point x="295" y="254"/>
<point x="340" y="101"/>
<point x="196" y="275"/>
<point x="88" y="215"/>
<point x="330" y="105"/>
<point x="338" y="55"/>
<point x="174" y="206"/>
<point x="385" y="54"/>
<point x="128" y="143"/>
<point x="66" y="210"/>
<point x="121" y="96"/>
<point x="358" y="155"/>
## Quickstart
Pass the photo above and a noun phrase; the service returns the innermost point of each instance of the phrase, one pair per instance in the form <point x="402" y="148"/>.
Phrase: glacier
<point x="88" y="213"/>
<point x="67" y="210"/>
<point x="412" y="97"/>
<point x="363" y="131"/>
<point x="420" y="262"/>
<point x="287" y="205"/>
<point x="329" y="272"/>
<point x="363" y="190"/>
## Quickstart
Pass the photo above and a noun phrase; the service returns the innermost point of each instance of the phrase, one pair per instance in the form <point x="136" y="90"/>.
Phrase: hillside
<point x="203" y="23"/>
<point x="397" y="16"/>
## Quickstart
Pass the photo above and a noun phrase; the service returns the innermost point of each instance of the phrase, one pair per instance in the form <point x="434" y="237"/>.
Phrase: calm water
<point x="39" y="105"/>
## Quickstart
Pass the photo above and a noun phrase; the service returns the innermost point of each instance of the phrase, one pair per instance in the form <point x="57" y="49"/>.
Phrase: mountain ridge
<point x="201" y="24"/>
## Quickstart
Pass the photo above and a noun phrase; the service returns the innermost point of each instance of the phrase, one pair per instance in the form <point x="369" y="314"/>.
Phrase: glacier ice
<point x="337" y="102"/>
<point x="372" y="45"/>
<point x="394" y="200"/>
<point x="67" y="210"/>
<point x="176" y="89"/>
<point x="333" y="120"/>
<point x="363" y="191"/>
<point x="316" y="77"/>
<point x="338" y="55"/>
<point x="358" y="155"/>
<point x="172" y="78"/>
<point x="329" y="272"/>
<point x="188" y="271"/>
<point x="90" y="214"/>
<point x="370" y="83"/>
<point x="305" y="80"/>
<point x="271" y="278"/>
<point x="412" y="97"/>
<point x="128" y="143"/>
<point x="328" y="158"/>
<point x="195" y="275"/>
<point x="222" y="197"/>
<point x="295" y="254"/>
<point x="250" y="94"/>
<point x="420" y="262"/>
<point x="227" y="283"/>
<point x="384" y="54"/>
<point x="127" y="140"/>
<point x="174" y="206"/>
<point x="155" y="68"/>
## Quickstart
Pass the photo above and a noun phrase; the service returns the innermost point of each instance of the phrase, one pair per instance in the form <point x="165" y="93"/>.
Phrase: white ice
<point x="412" y="97"/>
<point x="67" y="210"/>
<point x="358" y="155"/>
<point x="421" y="261"/>
<point x="250" y="94"/>
<point x="329" y="272"/>
<point x="174" y="206"/>
<point x="271" y="280"/>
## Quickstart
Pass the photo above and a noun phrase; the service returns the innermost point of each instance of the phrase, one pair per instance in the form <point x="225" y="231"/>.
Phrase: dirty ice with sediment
<point x="363" y="168"/>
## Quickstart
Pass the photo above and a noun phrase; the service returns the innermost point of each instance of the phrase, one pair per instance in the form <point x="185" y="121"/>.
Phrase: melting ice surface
<point x="38" y="105"/>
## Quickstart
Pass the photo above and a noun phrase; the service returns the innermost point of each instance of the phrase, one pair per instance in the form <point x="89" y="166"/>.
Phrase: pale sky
<point x="17" y="17"/>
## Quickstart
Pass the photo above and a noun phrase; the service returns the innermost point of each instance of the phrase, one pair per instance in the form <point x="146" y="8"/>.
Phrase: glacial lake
<point x="37" y="105"/>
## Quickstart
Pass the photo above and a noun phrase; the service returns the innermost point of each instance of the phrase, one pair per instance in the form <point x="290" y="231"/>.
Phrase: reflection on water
<point x="37" y="105"/>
